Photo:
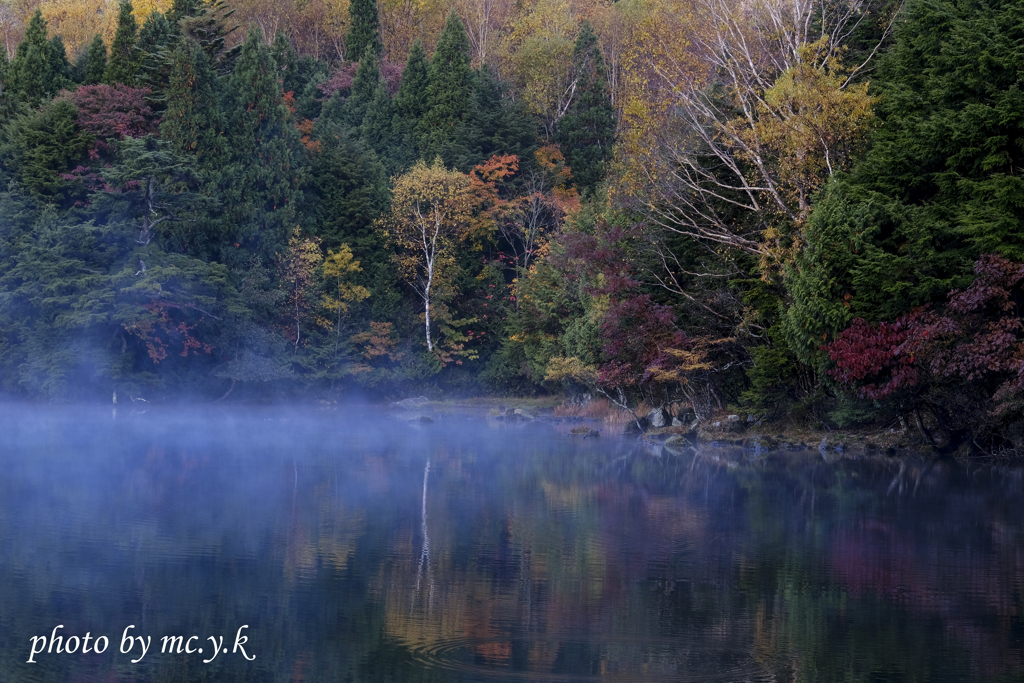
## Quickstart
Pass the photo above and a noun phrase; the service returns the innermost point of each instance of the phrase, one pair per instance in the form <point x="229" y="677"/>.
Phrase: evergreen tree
<point x="448" y="94"/>
<point x="498" y="124"/>
<point x="125" y="56"/>
<point x="375" y="131"/>
<point x="409" y="104"/>
<point x="96" y="61"/>
<point x="157" y="41"/>
<point x="264" y="174"/>
<point x="193" y="122"/>
<point x="5" y="66"/>
<point x="364" y="87"/>
<point x="364" y="30"/>
<point x="286" y="59"/>
<point x="180" y="9"/>
<point x="585" y="134"/>
<point x="32" y="71"/>
<point x="41" y="143"/>
<point x="59" y="66"/>
<point x="210" y="28"/>
<point x="939" y="184"/>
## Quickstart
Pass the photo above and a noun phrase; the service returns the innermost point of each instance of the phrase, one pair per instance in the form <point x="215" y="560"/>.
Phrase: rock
<point x="631" y="428"/>
<point x="733" y="418"/>
<point x="676" y="422"/>
<point x="411" y="403"/>
<point x="656" y="418"/>
<point x="585" y="432"/>
<point x="423" y="419"/>
<point x="525" y="414"/>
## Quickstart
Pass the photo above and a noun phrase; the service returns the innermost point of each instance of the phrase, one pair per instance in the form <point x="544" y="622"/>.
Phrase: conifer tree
<point x="209" y="26"/>
<point x="364" y="87"/>
<point x="585" y="134"/>
<point x="409" y="105"/>
<point x="123" y="66"/>
<point x="448" y="94"/>
<point x="193" y="122"/>
<point x="59" y="66"/>
<point x="184" y="8"/>
<point x="939" y="185"/>
<point x="157" y="39"/>
<point x="264" y="173"/>
<point x="30" y="74"/>
<point x="96" y="61"/>
<point x="286" y="59"/>
<point x="375" y="131"/>
<point x="364" y="30"/>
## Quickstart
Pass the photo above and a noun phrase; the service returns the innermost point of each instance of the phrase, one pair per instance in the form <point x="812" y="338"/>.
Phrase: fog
<point x="364" y="543"/>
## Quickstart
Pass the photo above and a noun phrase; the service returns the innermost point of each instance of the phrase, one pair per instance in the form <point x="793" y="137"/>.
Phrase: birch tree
<point x="430" y="213"/>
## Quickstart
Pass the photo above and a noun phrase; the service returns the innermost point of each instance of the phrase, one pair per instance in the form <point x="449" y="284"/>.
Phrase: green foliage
<point x="39" y="68"/>
<point x="941" y="175"/>
<point x="41" y="143"/>
<point x="410" y="104"/>
<point x="364" y="88"/>
<point x="157" y="41"/>
<point x="586" y="132"/>
<point x="264" y="173"/>
<point x="96" y="62"/>
<point x="364" y="31"/>
<point x="125" y="55"/>
<point x="449" y="92"/>
<point x="193" y="121"/>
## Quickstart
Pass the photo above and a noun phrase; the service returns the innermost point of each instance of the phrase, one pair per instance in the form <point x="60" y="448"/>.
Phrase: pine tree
<point x="181" y="9"/>
<point x="157" y="41"/>
<point x="193" y="122"/>
<point x="30" y="73"/>
<point x="264" y="173"/>
<point x="59" y="67"/>
<point x="210" y="28"/>
<point x="96" y="62"/>
<point x="585" y="134"/>
<point x="939" y="185"/>
<point x="410" y="104"/>
<point x="364" y="87"/>
<point x="364" y="30"/>
<point x="375" y="131"/>
<point x="287" y="61"/>
<point x="123" y="66"/>
<point x="448" y="94"/>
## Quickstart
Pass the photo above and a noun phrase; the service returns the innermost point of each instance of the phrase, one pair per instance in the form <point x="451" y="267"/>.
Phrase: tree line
<point x="808" y="213"/>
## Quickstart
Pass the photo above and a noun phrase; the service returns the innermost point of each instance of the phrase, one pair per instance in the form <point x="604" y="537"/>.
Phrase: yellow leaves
<point x="77" y="21"/>
<point x="561" y="368"/>
<point x="340" y="266"/>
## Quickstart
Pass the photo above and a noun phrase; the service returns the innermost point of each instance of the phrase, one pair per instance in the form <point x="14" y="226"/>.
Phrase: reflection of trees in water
<point x="537" y="555"/>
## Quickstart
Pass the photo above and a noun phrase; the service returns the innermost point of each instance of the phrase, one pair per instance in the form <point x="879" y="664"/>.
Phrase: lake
<point x="349" y="545"/>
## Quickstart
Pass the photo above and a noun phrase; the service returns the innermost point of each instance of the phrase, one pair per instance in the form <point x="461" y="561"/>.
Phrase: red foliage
<point x="636" y="331"/>
<point x="342" y="79"/>
<point x="113" y="111"/>
<point x="875" y="356"/>
<point x="976" y="339"/>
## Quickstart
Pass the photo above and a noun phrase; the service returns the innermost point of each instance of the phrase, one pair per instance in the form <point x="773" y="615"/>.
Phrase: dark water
<point x="356" y="547"/>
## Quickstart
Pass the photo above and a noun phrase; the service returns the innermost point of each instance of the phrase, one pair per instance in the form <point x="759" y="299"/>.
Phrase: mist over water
<point x="357" y="544"/>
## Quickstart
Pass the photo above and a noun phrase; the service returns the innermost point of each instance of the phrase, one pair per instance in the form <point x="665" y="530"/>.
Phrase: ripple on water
<point x="548" y="657"/>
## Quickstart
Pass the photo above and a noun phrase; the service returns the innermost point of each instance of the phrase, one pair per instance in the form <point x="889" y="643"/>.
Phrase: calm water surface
<point x="357" y="547"/>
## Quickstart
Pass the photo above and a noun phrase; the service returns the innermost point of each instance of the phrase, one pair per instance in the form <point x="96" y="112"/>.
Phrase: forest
<point x="809" y="213"/>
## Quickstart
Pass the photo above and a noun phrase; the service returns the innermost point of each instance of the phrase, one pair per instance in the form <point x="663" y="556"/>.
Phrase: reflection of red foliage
<point x="878" y="559"/>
